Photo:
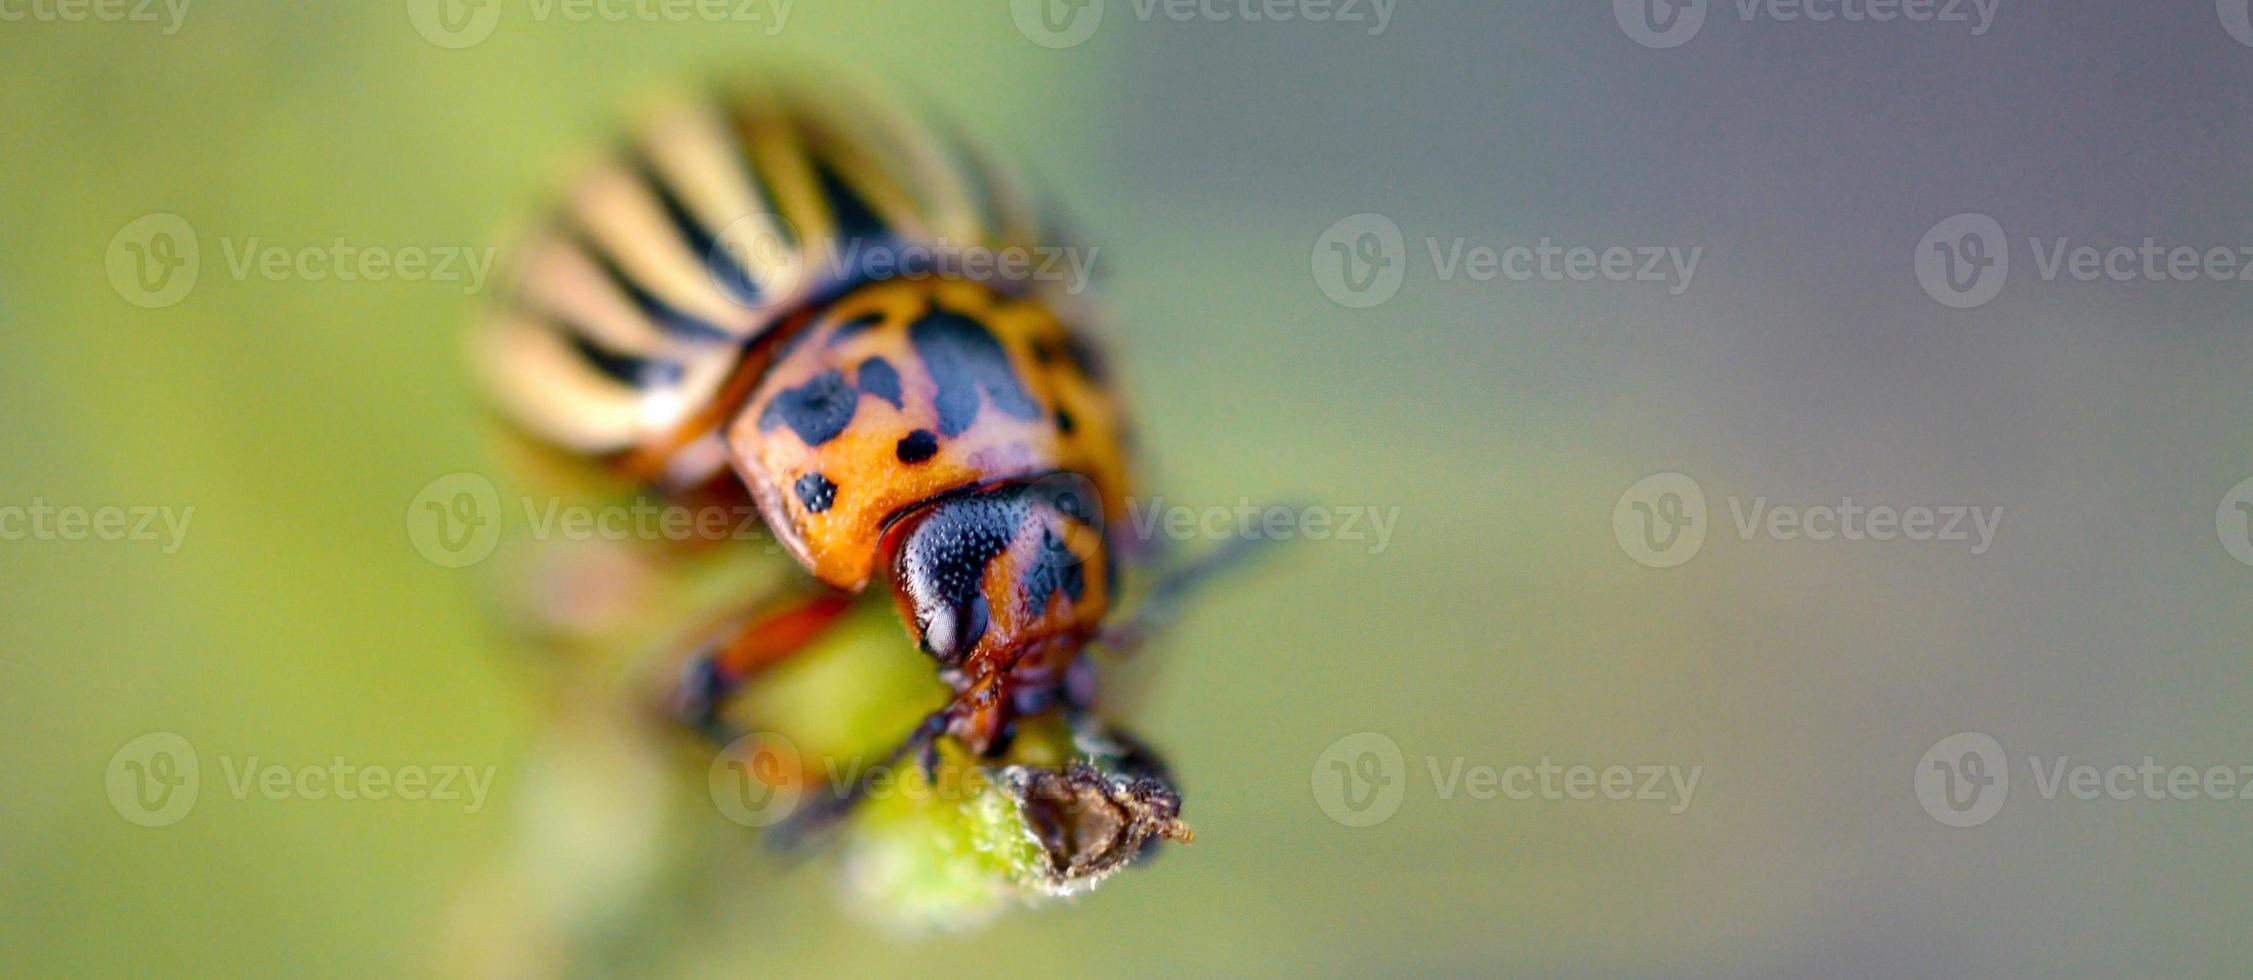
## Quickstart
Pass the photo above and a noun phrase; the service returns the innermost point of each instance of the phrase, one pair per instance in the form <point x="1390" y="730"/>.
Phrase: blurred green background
<point x="1501" y="624"/>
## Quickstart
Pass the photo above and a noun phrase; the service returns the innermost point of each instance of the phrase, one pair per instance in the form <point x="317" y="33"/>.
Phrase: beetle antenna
<point x="1172" y="591"/>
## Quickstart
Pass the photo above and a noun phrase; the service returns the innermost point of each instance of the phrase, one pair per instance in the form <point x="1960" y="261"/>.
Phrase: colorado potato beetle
<point x="775" y="292"/>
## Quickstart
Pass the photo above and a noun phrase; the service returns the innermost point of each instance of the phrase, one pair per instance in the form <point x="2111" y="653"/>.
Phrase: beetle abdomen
<point x="634" y="306"/>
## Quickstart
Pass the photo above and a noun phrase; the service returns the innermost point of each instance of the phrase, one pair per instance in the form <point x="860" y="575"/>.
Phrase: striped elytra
<point x="708" y="302"/>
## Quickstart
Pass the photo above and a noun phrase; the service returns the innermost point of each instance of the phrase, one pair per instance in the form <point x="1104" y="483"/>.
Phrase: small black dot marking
<point x="918" y="446"/>
<point x="1064" y="423"/>
<point x="816" y="492"/>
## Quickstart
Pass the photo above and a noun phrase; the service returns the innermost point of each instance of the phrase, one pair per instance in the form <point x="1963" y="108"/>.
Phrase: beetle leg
<point x="742" y="650"/>
<point x="825" y="811"/>
<point x="977" y="718"/>
<point x="1172" y="590"/>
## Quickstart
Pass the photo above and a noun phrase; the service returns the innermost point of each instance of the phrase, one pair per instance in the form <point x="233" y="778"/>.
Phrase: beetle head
<point x="983" y="576"/>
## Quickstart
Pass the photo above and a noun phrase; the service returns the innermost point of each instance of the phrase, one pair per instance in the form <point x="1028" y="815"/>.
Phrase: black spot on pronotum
<point x="816" y="492"/>
<point x="964" y="359"/>
<point x="818" y="410"/>
<point x="1064" y="422"/>
<point x="917" y="446"/>
<point x="877" y="377"/>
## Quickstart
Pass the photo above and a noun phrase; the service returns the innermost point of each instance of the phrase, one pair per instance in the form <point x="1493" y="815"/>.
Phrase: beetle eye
<point x="950" y="631"/>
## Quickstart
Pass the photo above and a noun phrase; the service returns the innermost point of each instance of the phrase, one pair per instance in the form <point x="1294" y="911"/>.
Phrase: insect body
<point x="734" y="301"/>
